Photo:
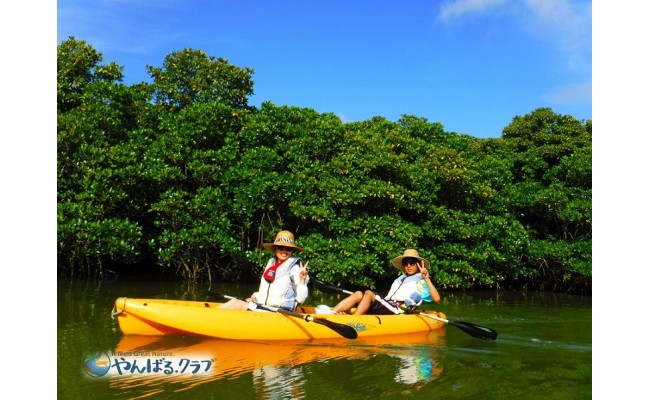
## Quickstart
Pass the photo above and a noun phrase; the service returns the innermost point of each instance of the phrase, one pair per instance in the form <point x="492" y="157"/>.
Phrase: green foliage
<point x="195" y="232"/>
<point x="190" y="76"/>
<point x="182" y="174"/>
<point x="101" y="195"/>
<point x="85" y="239"/>
<point x="78" y="66"/>
<point x="551" y="195"/>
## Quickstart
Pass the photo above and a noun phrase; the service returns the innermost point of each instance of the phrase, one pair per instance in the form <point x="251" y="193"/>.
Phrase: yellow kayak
<point x="197" y="318"/>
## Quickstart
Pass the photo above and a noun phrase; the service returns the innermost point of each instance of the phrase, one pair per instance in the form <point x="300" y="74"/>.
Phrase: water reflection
<point x="277" y="383"/>
<point x="278" y="370"/>
<point x="416" y="368"/>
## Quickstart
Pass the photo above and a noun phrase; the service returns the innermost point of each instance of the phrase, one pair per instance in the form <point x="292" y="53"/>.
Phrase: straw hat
<point x="410" y="253"/>
<point x="283" y="238"/>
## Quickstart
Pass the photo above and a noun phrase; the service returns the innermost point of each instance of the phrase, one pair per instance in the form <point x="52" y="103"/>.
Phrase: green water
<point x="544" y="351"/>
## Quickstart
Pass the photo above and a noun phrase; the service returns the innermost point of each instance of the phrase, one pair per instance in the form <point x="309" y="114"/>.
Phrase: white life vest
<point x="282" y="291"/>
<point x="405" y="287"/>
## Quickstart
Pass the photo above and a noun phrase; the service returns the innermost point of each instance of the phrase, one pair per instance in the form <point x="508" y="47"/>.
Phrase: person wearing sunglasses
<point x="284" y="280"/>
<point x="408" y="291"/>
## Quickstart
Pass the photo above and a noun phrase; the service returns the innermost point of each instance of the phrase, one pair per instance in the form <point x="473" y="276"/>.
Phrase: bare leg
<point x="364" y="304"/>
<point x="348" y="302"/>
<point x="235" y="304"/>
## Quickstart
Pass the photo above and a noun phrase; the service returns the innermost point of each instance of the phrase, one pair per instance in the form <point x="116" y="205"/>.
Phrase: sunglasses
<point x="283" y="248"/>
<point x="409" y="261"/>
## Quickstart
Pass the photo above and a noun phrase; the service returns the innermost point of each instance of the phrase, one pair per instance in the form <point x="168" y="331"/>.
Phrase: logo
<point x="97" y="364"/>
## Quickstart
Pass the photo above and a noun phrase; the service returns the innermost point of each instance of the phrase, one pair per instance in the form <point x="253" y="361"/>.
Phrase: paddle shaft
<point x="274" y="309"/>
<point x="328" y="286"/>
<point x="346" y="331"/>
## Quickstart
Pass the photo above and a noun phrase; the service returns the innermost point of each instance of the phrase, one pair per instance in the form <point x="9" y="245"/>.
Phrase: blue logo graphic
<point x="97" y="364"/>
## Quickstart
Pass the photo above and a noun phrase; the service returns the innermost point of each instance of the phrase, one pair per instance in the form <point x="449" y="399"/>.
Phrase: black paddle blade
<point x="477" y="331"/>
<point x="346" y="331"/>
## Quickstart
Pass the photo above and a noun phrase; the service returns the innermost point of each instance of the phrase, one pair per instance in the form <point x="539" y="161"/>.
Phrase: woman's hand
<point x="423" y="271"/>
<point x="303" y="271"/>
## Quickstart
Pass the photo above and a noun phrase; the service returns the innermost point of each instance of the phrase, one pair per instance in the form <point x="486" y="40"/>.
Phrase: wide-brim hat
<point x="410" y="253"/>
<point x="283" y="238"/>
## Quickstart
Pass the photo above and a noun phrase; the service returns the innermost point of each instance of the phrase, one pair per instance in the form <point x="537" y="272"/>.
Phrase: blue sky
<point x="471" y="65"/>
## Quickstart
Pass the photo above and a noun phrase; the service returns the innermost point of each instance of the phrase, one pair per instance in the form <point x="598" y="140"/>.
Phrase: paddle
<point x="477" y="331"/>
<point x="327" y="286"/>
<point x="346" y="331"/>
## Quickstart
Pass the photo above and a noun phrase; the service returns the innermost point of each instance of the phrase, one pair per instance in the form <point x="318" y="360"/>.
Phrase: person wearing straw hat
<point x="409" y="290"/>
<point x="284" y="280"/>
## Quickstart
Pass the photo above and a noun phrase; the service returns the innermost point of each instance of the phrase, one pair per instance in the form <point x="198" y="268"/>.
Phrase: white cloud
<point x="130" y="29"/>
<point x="574" y="93"/>
<point x="460" y="8"/>
<point x="566" y="24"/>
